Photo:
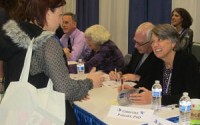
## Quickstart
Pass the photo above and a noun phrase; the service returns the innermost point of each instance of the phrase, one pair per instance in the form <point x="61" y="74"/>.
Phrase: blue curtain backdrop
<point x="87" y="13"/>
<point x="155" y="11"/>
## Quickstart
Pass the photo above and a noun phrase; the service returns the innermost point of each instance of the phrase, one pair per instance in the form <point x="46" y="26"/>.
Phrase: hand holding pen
<point x="114" y="75"/>
<point x="122" y="84"/>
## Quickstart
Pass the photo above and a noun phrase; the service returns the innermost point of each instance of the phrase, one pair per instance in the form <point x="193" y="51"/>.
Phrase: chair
<point x="127" y="58"/>
<point x="196" y="52"/>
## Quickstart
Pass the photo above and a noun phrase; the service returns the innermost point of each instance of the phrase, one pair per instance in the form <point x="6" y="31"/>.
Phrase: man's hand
<point x="131" y="77"/>
<point x="67" y="53"/>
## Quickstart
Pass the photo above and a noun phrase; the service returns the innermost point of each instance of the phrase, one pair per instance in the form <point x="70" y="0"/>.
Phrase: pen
<point x="116" y="73"/>
<point x="122" y="82"/>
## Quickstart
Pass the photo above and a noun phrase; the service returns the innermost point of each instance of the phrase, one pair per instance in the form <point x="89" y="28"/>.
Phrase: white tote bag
<point x="23" y="104"/>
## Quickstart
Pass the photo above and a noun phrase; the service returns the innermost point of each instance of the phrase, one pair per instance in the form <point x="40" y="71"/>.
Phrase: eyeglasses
<point x="141" y="44"/>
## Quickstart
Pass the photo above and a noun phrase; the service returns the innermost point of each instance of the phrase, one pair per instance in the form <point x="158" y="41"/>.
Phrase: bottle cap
<point x="185" y="93"/>
<point x="79" y="60"/>
<point x="157" y="81"/>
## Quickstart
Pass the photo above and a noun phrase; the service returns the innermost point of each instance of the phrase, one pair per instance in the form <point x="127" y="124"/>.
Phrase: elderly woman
<point x="177" y="72"/>
<point x="105" y="55"/>
<point x="182" y="20"/>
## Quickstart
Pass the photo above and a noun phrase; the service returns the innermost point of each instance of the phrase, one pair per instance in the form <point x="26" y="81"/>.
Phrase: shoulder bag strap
<point x="25" y="70"/>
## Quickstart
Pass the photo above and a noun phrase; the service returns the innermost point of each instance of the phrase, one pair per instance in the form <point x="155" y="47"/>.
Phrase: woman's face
<point x="176" y="19"/>
<point x="53" y="19"/>
<point x="92" y="44"/>
<point x="162" y="48"/>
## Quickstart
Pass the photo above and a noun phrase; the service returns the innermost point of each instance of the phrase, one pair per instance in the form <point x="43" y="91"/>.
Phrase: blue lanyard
<point x="169" y="80"/>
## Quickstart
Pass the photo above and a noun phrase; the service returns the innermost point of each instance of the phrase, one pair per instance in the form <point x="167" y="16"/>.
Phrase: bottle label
<point x="80" y="68"/>
<point x="156" y="92"/>
<point x="184" y="108"/>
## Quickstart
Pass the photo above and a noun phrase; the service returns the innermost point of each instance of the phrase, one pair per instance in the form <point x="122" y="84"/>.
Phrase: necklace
<point x="167" y="74"/>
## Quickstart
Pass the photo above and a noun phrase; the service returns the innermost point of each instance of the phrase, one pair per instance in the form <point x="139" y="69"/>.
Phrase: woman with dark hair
<point x="39" y="19"/>
<point x="182" y="20"/>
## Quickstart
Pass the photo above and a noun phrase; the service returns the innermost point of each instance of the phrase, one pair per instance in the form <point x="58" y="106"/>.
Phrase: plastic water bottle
<point x="80" y="68"/>
<point x="156" y="96"/>
<point x="185" y="109"/>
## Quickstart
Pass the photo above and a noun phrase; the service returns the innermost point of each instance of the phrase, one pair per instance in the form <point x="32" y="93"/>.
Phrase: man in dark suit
<point x="143" y="59"/>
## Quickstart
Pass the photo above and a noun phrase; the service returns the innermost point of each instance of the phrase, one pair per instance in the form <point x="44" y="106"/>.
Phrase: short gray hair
<point x="98" y="34"/>
<point x="166" y="31"/>
<point x="146" y="28"/>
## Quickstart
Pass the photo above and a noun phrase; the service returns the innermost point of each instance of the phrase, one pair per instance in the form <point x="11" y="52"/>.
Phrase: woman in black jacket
<point x="177" y="71"/>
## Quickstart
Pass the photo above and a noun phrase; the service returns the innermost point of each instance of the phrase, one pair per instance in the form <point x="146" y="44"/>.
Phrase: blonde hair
<point x="98" y="34"/>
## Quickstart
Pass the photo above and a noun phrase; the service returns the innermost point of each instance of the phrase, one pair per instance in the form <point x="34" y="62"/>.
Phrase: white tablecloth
<point x="101" y="99"/>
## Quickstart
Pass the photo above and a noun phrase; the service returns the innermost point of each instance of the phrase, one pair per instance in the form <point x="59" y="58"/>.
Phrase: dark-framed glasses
<point x="141" y="44"/>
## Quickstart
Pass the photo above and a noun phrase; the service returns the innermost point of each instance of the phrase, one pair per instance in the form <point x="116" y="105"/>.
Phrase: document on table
<point x="113" y="83"/>
<point x="107" y="82"/>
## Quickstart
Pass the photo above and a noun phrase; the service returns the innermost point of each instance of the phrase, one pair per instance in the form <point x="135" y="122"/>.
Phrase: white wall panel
<point x="70" y="6"/>
<point x="113" y="14"/>
<point x="192" y="6"/>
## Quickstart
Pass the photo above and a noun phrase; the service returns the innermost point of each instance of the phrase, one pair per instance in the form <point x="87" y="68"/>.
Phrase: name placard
<point x="135" y="114"/>
<point x="160" y="121"/>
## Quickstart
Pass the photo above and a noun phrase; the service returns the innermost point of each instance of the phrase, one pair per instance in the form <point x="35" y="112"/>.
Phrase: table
<point x="94" y="111"/>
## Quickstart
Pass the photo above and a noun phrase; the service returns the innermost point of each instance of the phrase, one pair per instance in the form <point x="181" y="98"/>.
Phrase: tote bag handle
<point x="27" y="62"/>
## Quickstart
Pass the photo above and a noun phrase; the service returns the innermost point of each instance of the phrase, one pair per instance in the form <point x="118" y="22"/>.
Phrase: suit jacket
<point x="145" y="69"/>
